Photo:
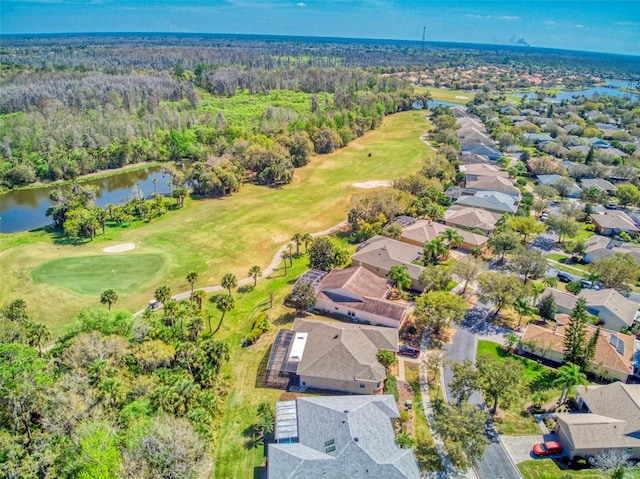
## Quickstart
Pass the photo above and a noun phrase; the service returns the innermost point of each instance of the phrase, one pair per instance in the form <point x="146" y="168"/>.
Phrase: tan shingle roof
<point x="344" y="351"/>
<point x="494" y="183"/>
<point x="471" y="217"/>
<point x="422" y="231"/>
<point x="614" y="219"/>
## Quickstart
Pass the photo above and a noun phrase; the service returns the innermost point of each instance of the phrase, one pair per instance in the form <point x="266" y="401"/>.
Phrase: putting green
<point x="93" y="274"/>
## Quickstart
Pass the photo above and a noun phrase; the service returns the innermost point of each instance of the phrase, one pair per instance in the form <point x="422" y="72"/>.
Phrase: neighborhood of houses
<point x="350" y="431"/>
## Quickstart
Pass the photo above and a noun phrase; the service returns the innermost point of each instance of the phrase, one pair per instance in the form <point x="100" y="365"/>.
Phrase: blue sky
<point x="591" y="25"/>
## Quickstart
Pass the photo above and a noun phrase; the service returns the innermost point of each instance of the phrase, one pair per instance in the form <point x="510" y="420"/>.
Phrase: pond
<point x="612" y="88"/>
<point x="23" y="210"/>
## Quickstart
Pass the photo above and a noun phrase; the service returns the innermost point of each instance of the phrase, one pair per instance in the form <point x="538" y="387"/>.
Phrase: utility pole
<point x="424" y="31"/>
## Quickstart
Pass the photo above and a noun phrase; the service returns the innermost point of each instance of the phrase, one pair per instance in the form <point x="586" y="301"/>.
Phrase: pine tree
<point x="574" y="344"/>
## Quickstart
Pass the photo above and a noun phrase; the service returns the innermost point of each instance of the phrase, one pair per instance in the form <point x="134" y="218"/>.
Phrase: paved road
<point x="496" y="463"/>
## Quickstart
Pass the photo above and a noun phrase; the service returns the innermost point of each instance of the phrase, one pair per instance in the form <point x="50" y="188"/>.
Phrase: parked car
<point x="611" y="206"/>
<point x="549" y="448"/>
<point x="409" y="351"/>
<point x="153" y="305"/>
<point x="590" y="285"/>
<point x="564" y="277"/>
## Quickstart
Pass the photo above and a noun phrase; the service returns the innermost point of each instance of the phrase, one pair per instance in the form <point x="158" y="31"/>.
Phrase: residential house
<point x="483" y="150"/>
<point x="469" y="217"/>
<point x="356" y="293"/>
<point x="379" y="254"/>
<point x="490" y="201"/>
<point x="551" y="180"/>
<point x="604" y="247"/>
<point x="614" y="222"/>
<point x="537" y="138"/>
<point x="332" y="355"/>
<point x="471" y="158"/>
<point x="338" y="436"/>
<point x="565" y="302"/>
<point x="613" y="309"/>
<point x="601" y="184"/>
<point x="474" y="171"/>
<point x="613" y="358"/>
<point x="418" y="232"/>
<point x="493" y="183"/>
<point x="612" y="421"/>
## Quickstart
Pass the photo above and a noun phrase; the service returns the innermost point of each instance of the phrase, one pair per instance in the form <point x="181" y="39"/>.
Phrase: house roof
<point x="343" y="436"/>
<point x="494" y="183"/>
<point x="610" y="299"/>
<point x="563" y="300"/>
<point x="482" y="150"/>
<point x="606" y="353"/>
<point x="490" y="200"/>
<point x="422" y="231"/>
<point x="471" y="158"/>
<point x="599" y="183"/>
<point x="616" y="220"/>
<point x="483" y="169"/>
<point x="360" y="289"/>
<point x="344" y="351"/>
<point x="383" y="253"/>
<point x="468" y="217"/>
<point x="616" y="408"/>
<point x="604" y="247"/>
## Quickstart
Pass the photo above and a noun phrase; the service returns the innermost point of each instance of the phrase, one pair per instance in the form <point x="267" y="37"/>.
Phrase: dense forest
<point x="74" y="105"/>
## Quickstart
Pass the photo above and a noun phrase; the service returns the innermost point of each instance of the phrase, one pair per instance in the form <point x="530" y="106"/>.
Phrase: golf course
<point x="211" y="237"/>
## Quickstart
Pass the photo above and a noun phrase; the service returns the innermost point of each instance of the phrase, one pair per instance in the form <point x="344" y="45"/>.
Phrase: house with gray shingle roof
<point x="612" y="421"/>
<point x="604" y="247"/>
<point x="493" y="183"/>
<point x="600" y="183"/>
<point x="490" y="201"/>
<point x="339" y="436"/>
<point x="482" y="150"/>
<point x="613" y="309"/>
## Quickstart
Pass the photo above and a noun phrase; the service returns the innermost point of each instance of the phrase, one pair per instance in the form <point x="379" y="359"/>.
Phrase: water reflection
<point x="23" y="210"/>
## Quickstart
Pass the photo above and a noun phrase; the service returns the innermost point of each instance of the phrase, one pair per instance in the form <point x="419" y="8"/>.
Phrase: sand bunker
<point x="462" y="97"/>
<point x="119" y="248"/>
<point x="372" y="184"/>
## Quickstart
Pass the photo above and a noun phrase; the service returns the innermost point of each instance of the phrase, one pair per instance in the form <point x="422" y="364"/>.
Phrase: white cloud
<point x="508" y="17"/>
<point x="579" y="26"/>
<point x="551" y="23"/>
<point x="473" y="15"/>
<point x="301" y="4"/>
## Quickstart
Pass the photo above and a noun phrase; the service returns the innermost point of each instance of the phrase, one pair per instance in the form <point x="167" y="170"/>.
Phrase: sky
<point x="609" y="26"/>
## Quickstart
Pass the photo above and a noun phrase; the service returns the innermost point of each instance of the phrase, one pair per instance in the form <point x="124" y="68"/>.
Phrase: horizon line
<point x="320" y="37"/>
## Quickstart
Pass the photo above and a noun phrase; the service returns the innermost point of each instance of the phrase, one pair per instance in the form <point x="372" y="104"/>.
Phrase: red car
<point x="549" y="448"/>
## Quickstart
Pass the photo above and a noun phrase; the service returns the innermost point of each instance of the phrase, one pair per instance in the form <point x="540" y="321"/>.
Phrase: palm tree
<point x="306" y="239"/>
<point x="224" y="303"/>
<point x="162" y="294"/>
<point x="229" y="281"/>
<point x="255" y="272"/>
<point x="569" y="376"/>
<point x="192" y="278"/>
<point x="109" y="297"/>
<point x="434" y="249"/>
<point x="522" y="307"/>
<point x="199" y="297"/>
<point x="195" y="326"/>
<point x="38" y="335"/>
<point x="452" y="238"/>
<point x="170" y="309"/>
<point x="297" y="238"/>
<point x="537" y="289"/>
<point x="399" y="274"/>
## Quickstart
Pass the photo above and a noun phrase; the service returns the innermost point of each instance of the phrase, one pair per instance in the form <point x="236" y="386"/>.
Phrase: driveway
<point x="519" y="447"/>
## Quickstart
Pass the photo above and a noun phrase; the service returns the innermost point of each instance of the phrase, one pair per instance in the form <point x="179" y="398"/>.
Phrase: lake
<point x="23" y="210"/>
<point x="610" y="89"/>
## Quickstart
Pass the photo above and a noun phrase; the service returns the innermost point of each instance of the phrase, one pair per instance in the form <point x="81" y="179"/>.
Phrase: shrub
<point x="254" y="335"/>
<point x="391" y="386"/>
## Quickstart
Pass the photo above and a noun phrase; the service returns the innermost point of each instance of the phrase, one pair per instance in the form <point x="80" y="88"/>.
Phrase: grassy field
<point x="426" y="452"/>
<point x="516" y="421"/>
<point x="94" y="274"/>
<point x="548" y="469"/>
<point x="452" y="96"/>
<point x="222" y="235"/>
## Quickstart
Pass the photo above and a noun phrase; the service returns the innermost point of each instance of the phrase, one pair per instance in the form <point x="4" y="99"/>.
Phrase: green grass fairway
<point x="451" y="96"/>
<point x="93" y="274"/>
<point x="222" y="235"/>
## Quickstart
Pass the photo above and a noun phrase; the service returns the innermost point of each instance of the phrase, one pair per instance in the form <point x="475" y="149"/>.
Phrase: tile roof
<point x="343" y="351"/>
<point x="343" y="436"/>
<point x="360" y="289"/>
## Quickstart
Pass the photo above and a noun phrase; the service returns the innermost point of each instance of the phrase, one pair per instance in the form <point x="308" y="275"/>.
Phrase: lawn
<point x="548" y="469"/>
<point x="516" y="421"/>
<point x="451" y="96"/>
<point x="217" y="236"/>
<point x="426" y="452"/>
<point x="93" y="274"/>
